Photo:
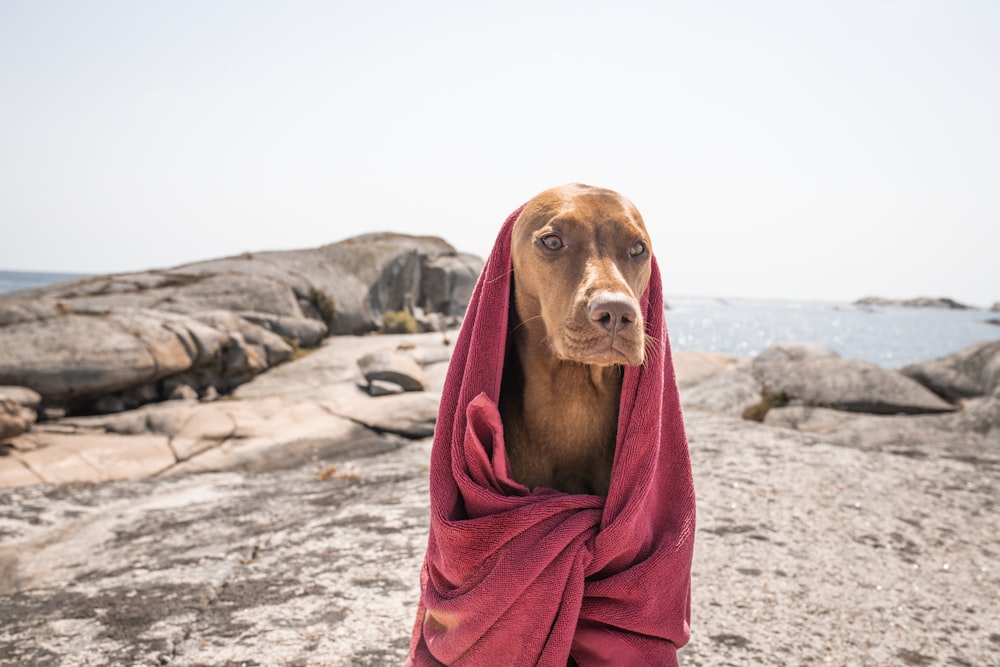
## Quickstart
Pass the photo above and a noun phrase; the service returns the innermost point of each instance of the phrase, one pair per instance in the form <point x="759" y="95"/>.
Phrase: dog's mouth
<point x="602" y="349"/>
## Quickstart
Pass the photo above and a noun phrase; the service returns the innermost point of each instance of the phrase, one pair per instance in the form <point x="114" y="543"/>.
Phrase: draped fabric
<point x="514" y="576"/>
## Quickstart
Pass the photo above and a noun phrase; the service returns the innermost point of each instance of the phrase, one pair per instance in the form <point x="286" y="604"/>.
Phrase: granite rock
<point x="320" y="564"/>
<point x="969" y="373"/>
<point x="845" y="384"/>
<point x="115" y="342"/>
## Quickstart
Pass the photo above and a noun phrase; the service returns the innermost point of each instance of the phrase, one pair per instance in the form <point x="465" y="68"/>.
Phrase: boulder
<point x="106" y="360"/>
<point x="305" y="331"/>
<point x="14" y="419"/>
<point x="795" y="351"/>
<point x="844" y="384"/>
<point x="26" y="398"/>
<point x="971" y="435"/>
<point x="730" y="392"/>
<point x="968" y="373"/>
<point x="692" y="367"/>
<point x="102" y="343"/>
<point x="447" y="283"/>
<point x="394" y="366"/>
<point x="409" y="414"/>
<point x="88" y="355"/>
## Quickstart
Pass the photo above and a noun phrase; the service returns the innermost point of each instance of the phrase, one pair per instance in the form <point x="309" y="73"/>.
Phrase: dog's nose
<point x="613" y="312"/>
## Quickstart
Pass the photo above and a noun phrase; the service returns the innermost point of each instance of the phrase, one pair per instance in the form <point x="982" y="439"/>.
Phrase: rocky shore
<point x="847" y="512"/>
<point x="918" y="302"/>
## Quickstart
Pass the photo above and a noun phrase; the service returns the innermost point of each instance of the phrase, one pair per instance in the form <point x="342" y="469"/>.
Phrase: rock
<point x="408" y="414"/>
<point x="183" y="392"/>
<point x="108" y="404"/>
<point x="96" y="457"/>
<point x="308" y="410"/>
<point x="73" y="356"/>
<point x="320" y="564"/>
<point x="845" y="384"/>
<point x="968" y="373"/>
<point x="383" y="388"/>
<point x="730" y="392"/>
<point x="14" y="419"/>
<point x="996" y="307"/>
<point x="448" y="282"/>
<point x="919" y="302"/>
<point x="26" y="398"/>
<point x="218" y="323"/>
<point x="971" y="435"/>
<point x="393" y="366"/>
<point x="102" y="361"/>
<point x="795" y="351"/>
<point x="307" y="332"/>
<point x="692" y="367"/>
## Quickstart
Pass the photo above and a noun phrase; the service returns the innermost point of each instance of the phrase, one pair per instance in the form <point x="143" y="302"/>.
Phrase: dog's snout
<point x="613" y="312"/>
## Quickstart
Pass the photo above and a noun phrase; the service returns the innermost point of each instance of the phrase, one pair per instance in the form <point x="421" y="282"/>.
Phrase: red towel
<point x="520" y="577"/>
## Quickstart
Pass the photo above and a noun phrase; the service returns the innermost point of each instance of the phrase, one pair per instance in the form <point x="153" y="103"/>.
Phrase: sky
<point x="800" y="150"/>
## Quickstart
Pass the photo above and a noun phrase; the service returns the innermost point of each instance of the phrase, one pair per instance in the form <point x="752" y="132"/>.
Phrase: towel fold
<point x="514" y="576"/>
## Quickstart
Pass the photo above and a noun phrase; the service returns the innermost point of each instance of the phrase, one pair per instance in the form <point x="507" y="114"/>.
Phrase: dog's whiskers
<point x="522" y="323"/>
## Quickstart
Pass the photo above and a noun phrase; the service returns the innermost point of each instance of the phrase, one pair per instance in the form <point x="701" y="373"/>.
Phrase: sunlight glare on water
<point x="888" y="336"/>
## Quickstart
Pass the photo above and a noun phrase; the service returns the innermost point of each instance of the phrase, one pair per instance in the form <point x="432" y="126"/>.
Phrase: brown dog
<point x="581" y="259"/>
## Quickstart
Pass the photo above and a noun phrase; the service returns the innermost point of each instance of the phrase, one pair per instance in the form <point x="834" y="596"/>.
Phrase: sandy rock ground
<point x="807" y="553"/>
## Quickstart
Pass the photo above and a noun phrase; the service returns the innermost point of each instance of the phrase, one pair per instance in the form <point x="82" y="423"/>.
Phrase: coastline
<point x="284" y="521"/>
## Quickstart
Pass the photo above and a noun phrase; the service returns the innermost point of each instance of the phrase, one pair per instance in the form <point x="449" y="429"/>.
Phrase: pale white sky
<point x="796" y="149"/>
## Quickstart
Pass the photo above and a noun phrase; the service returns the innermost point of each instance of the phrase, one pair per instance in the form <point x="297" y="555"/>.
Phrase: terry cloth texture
<point x="515" y="576"/>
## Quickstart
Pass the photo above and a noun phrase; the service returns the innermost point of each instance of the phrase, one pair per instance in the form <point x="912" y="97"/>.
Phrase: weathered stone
<point x="383" y="388"/>
<point x="98" y="458"/>
<point x="730" y="392"/>
<point x="183" y="392"/>
<point x="968" y="373"/>
<point x="408" y="414"/>
<point x="108" y="404"/>
<point x="13" y="472"/>
<point x="447" y="283"/>
<point x="221" y="322"/>
<point x="692" y="367"/>
<point x="393" y="366"/>
<point x="320" y="564"/>
<point x="795" y="351"/>
<point x="14" y="419"/>
<point x="23" y="396"/>
<point x="307" y="332"/>
<point x="846" y="384"/>
<point x="972" y="434"/>
<point x="73" y="356"/>
<point x="303" y="436"/>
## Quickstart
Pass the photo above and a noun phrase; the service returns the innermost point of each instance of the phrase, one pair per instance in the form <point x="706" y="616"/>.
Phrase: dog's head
<point x="581" y="259"/>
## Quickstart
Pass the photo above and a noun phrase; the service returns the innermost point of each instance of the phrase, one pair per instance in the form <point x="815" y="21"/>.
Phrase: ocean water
<point x="12" y="281"/>
<point x="887" y="336"/>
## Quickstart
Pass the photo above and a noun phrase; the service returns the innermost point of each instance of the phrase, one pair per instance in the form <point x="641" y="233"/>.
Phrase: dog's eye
<point x="552" y="242"/>
<point x="637" y="249"/>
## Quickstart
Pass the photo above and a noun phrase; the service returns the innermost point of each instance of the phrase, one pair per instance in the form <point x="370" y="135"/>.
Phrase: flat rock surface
<point x="807" y="553"/>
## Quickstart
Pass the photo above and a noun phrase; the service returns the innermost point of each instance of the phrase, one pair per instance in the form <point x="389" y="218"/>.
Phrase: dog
<point x="581" y="260"/>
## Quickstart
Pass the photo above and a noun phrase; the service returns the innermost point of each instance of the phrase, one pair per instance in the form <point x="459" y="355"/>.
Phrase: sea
<point x="889" y="336"/>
